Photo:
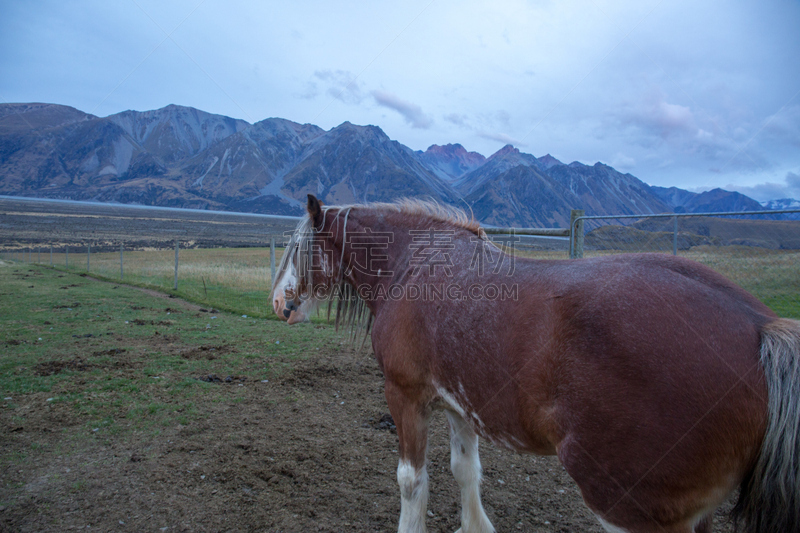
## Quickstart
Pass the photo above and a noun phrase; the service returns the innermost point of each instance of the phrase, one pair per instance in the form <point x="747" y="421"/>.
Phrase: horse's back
<point x="660" y="383"/>
<point x="657" y="311"/>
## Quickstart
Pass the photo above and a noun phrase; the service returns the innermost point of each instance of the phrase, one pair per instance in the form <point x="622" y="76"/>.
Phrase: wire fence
<point x="225" y="261"/>
<point x="759" y="250"/>
<point x="233" y="279"/>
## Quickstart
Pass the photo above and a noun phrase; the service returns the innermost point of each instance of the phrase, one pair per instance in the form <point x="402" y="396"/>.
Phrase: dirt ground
<point x="312" y="451"/>
<point x="323" y="462"/>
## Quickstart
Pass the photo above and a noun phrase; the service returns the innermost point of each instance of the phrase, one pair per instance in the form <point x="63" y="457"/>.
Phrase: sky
<point x="695" y="94"/>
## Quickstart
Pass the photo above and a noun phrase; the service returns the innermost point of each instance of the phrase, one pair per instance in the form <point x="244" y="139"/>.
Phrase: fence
<point x="754" y="249"/>
<point x="225" y="260"/>
<point x="236" y="279"/>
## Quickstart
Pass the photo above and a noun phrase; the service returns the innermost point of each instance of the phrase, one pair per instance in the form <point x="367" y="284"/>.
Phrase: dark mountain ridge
<point x="179" y="156"/>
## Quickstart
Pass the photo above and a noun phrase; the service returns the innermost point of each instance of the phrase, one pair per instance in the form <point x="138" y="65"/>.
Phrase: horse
<point x="661" y="386"/>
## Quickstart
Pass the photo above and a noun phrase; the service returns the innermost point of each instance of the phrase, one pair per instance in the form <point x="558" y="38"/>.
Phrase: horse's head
<point x="284" y="290"/>
<point x="306" y="272"/>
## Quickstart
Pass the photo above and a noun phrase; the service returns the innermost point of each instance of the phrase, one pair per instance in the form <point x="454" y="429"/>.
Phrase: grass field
<point x="238" y="279"/>
<point x="233" y="279"/>
<point x="47" y="314"/>
<point x="773" y="276"/>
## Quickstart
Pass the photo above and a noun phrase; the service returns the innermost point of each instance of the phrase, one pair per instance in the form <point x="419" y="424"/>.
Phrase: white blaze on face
<point x="288" y="281"/>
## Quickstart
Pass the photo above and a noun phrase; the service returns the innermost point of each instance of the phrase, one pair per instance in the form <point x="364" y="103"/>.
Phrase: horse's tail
<point x="769" y="499"/>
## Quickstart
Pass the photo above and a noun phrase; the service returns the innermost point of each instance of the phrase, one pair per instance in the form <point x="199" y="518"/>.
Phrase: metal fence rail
<point x="575" y="231"/>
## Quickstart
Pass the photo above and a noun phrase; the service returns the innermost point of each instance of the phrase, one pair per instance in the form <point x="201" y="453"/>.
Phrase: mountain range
<point x="184" y="157"/>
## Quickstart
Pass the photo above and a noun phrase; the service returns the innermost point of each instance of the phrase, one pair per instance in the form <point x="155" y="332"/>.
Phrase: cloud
<point x="499" y="119"/>
<point x="342" y="85"/>
<point x="656" y="116"/>
<point x="790" y="188"/>
<point x="412" y="113"/>
<point x="502" y="137"/>
<point x="458" y="120"/>
<point x="501" y="116"/>
<point x="622" y="161"/>
<point x="784" y="125"/>
<point x="311" y="91"/>
<point x="691" y="137"/>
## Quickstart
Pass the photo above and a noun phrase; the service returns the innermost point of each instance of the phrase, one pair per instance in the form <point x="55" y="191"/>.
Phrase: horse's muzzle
<point x="292" y="312"/>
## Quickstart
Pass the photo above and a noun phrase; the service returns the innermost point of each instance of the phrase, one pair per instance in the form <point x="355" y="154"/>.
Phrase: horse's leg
<point x="466" y="466"/>
<point x="411" y="418"/>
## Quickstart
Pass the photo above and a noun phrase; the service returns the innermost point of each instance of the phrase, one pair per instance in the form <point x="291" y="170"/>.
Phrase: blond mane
<point x="427" y="208"/>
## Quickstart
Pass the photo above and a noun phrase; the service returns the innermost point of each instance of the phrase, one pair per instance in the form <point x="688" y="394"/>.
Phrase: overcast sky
<point x="697" y="94"/>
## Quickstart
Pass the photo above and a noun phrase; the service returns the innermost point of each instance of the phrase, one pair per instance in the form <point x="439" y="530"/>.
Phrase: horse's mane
<point x="430" y="209"/>
<point x="351" y="310"/>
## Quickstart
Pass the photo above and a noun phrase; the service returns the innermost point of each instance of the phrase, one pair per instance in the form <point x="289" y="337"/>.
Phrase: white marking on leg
<point x="611" y="528"/>
<point x="466" y="466"/>
<point x="455" y="405"/>
<point x="451" y="401"/>
<point x="413" y="497"/>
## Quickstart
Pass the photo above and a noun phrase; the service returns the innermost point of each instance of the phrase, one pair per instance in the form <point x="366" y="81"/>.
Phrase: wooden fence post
<point x="576" y="234"/>
<point x="120" y="261"/>
<point x="272" y="260"/>
<point x="675" y="235"/>
<point x="88" y="255"/>
<point x="66" y="257"/>
<point x="175" y="286"/>
<point x="51" y="255"/>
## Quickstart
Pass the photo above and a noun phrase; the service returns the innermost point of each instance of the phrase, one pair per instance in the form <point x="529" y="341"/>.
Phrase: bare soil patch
<point x="207" y="352"/>
<point x="54" y="367"/>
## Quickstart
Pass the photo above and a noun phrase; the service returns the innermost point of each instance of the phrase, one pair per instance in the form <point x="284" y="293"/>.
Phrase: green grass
<point x="112" y="357"/>
<point x="231" y="279"/>
<point x="773" y="276"/>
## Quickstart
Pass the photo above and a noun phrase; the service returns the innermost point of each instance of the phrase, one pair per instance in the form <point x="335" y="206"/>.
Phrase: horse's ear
<point x="314" y="208"/>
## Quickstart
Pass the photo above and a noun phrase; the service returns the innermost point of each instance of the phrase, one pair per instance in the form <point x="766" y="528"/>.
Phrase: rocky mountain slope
<point x="450" y="161"/>
<point x="540" y="192"/>
<point x="715" y="200"/>
<point x="183" y="157"/>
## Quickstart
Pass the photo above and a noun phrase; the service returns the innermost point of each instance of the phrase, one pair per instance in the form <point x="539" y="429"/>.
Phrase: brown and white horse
<point x="661" y="386"/>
